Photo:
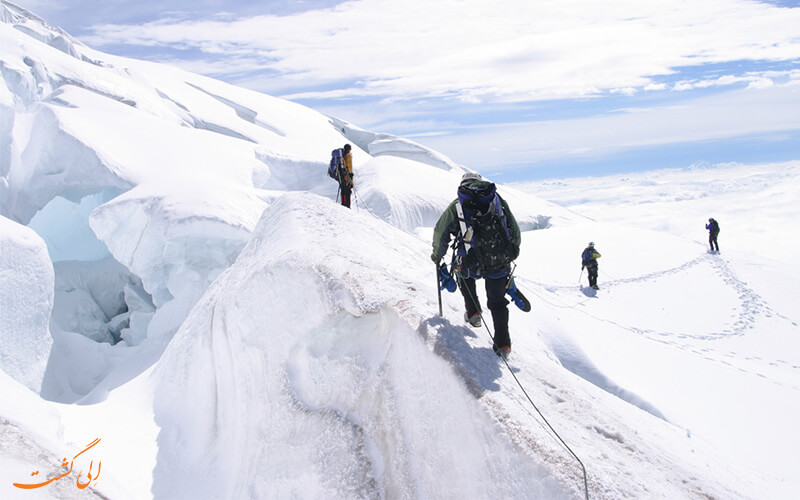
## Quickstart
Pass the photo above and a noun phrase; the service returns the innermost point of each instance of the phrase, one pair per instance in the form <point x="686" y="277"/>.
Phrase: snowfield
<point x="177" y="280"/>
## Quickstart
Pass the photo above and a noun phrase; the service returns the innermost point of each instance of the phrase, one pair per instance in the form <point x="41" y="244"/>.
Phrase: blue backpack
<point x="337" y="164"/>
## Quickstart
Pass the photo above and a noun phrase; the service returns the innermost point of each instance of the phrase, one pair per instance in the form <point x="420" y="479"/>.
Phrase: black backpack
<point x="491" y="246"/>
<point x="337" y="164"/>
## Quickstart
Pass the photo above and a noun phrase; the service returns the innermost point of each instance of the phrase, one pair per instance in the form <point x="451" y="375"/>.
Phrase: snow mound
<point x="26" y="270"/>
<point x="381" y="144"/>
<point x="411" y="195"/>
<point x="36" y="27"/>
<point x="366" y="407"/>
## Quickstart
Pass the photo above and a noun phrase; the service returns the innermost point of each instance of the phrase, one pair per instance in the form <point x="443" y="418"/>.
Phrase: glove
<point x="435" y="258"/>
<point x="583" y="266"/>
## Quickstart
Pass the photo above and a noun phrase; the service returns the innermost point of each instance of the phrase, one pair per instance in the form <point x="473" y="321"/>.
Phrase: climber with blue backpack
<point x="713" y="233"/>
<point x="340" y="169"/>
<point x="486" y="240"/>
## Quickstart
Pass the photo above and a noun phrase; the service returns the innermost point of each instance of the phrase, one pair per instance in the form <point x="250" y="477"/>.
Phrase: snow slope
<point x="709" y="339"/>
<point x="229" y="331"/>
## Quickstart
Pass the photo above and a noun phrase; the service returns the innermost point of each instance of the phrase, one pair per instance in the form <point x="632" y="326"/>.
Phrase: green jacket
<point x="448" y="227"/>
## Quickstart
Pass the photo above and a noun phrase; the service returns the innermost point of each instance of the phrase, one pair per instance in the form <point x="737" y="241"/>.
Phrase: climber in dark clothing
<point x="346" y="181"/>
<point x="589" y="262"/>
<point x="713" y="232"/>
<point x="488" y="239"/>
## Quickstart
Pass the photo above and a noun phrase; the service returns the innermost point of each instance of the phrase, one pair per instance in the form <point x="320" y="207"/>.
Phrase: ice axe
<point x="439" y="287"/>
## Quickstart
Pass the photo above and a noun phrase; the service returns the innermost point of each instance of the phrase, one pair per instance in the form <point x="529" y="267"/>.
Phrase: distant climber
<point x="487" y="240"/>
<point x="341" y="169"/>
<point x="713" y="232"/>
<point x="589" y="262"/>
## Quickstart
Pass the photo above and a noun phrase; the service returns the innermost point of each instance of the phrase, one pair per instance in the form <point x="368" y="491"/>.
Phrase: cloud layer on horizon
<point x="474" y="51"/>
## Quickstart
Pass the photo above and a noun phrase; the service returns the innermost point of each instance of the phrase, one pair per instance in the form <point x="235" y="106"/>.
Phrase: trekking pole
<point x="360" y="203"/>
<point x="581" y="276"/>
<point x="438" y="288"/>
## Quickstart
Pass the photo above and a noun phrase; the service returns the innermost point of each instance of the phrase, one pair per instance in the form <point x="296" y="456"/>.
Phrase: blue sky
<point x="516" y="89"/>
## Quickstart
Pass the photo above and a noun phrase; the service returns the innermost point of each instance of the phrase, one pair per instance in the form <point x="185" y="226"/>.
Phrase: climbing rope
<point x="474" y="300"/>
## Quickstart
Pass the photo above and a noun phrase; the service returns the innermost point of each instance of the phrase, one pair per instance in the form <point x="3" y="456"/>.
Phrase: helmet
<point x="470" y="176"/>
<point x="591" y="243"/>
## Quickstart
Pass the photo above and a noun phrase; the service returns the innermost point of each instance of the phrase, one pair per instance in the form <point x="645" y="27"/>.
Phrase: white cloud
<point x="751" y="79"/>
<point x="737" y="113"/>
<point x="473" y="50"/>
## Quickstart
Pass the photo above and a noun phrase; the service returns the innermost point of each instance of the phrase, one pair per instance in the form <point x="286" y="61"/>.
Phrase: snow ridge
<point x="347" y="381"/>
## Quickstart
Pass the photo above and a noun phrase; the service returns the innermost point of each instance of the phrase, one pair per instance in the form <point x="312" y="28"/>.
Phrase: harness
<point x="466" y="233"/>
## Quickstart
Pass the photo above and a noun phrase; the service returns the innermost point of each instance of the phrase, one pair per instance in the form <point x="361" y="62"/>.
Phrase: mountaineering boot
<point x="474" y="320"/>
<point x="502" y="340"/>
<point x="596" y="287"/>
<point x="503" y="352"/>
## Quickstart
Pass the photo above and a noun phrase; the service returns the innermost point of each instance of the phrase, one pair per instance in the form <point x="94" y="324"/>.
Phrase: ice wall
<point x="26" y="281"/>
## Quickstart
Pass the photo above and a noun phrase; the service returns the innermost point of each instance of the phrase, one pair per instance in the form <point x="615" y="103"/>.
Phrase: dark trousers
<point x="346" y="192"/>
<point x="495" y="301"/>
<point x="712" y="241"/>
<point x="592" y="270"/>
